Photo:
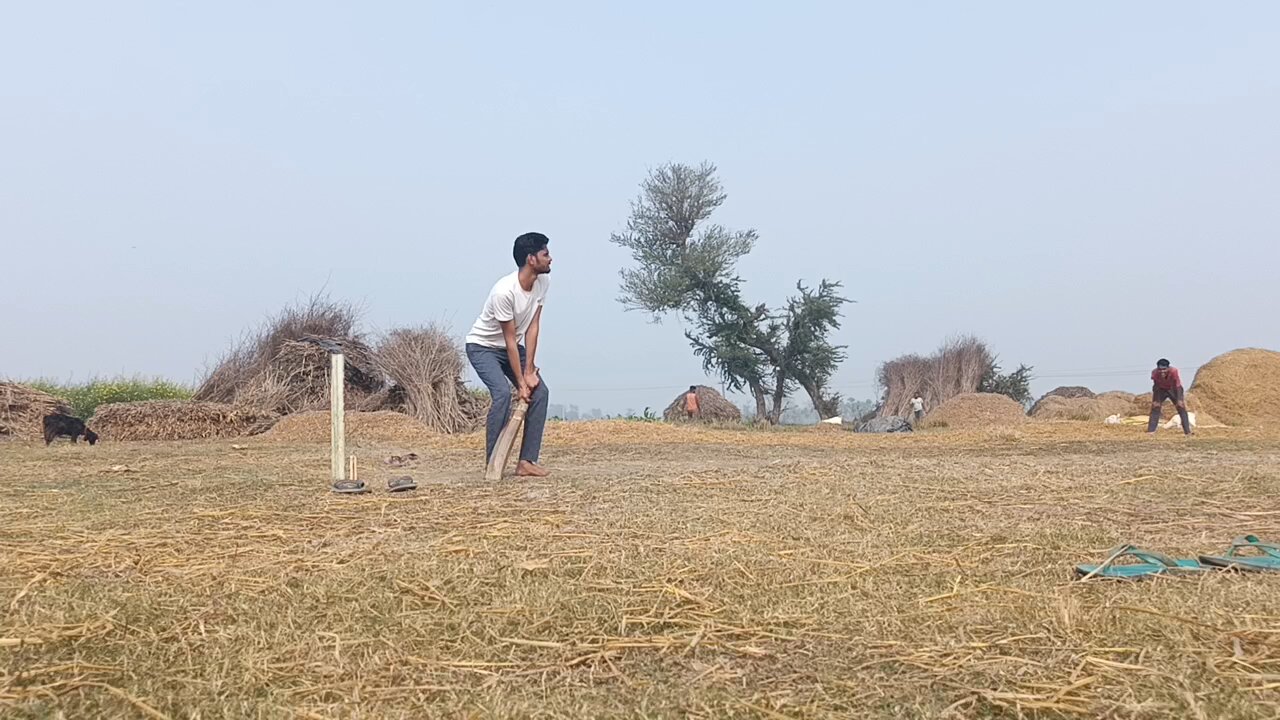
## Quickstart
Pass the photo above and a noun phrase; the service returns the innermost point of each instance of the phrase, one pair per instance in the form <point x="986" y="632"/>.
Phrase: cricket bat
<point x="506" y="441"/>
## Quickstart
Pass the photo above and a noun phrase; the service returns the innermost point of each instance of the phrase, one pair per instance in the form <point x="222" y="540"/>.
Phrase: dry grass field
<point x="661" y="572"/>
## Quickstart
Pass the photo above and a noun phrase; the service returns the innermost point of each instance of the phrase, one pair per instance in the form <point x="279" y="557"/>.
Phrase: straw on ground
<point x="663" y="572"/>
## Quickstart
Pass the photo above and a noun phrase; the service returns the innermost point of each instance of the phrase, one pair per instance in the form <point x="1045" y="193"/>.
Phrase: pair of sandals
<point x="1247" y="553"/>
<point x="404" y="483"/>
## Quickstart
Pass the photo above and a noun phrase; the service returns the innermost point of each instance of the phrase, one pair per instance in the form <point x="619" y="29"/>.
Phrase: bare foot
<point x="527" y="469"/>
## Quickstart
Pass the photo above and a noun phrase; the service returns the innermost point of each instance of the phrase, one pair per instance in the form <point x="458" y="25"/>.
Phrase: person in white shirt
<point x="503" y="344"/>
<point x="917" y="407"/>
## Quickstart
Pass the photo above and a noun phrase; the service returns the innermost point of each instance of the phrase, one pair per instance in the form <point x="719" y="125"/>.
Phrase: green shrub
<point x="85" y="397"/>
<point x="648" y="416"/>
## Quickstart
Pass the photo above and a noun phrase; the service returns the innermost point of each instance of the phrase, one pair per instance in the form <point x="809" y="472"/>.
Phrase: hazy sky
<point x="1088" y="187"/>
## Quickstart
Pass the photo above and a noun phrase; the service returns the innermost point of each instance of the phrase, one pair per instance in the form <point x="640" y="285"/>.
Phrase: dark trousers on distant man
<point x="494" y="369"/>
<point x="1158" y="396"/>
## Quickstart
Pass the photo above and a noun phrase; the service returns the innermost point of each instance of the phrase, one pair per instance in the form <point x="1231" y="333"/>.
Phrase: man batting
<point x="503" y="344"/>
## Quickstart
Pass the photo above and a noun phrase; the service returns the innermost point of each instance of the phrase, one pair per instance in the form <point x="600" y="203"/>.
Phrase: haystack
<point x="296" y="379"/>
<point x="22" y="411"/>
<point x="370" y="427"/>
<point x="973" y="411"/>
<point x="178" y="420"/>
<point x="1066" y="392"/>
<point x="1241" y="387"/>
<point x="281" y="368"/>
<point x="712" y="407"/>
<point x="425" y="366"/>
<point x="1084" y="409"/>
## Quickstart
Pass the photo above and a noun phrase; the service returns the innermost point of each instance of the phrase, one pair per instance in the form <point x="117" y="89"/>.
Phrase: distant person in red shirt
<point x="691" y="402"/>
<point x="1166" y="384"/>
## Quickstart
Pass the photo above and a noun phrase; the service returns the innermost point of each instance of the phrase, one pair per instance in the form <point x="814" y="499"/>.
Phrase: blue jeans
<point x="494" y="369"/>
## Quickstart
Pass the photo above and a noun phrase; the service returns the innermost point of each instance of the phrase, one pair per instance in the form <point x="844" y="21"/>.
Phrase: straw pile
<point x="372" y="427"/>
<point x="1067" y="392"/>
<point x="973" y="411"/>
<point x="282" y="369"/>
<point x="277" y="368"/>
<point x="297" y="378"/>
<point x="252" y="354"/>
<point x="712" y="407"/>
<point x="1241" y="387"/>
<point x="749" y="573"/>
<point x="425" y="366"/>
<point x="178" y="420"/>
<point x="22" y="411"/>
<point x="1083" y="408"/>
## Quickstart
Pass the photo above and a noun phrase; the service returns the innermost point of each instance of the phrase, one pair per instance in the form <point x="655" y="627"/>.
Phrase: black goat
<point x="59" y="425"/>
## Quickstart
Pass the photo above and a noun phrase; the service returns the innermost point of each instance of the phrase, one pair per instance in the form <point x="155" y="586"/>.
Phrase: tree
<point x="1016" y="384"/>
<point x="675" y="264"/>
<point x="687" y="266"/>
<point x="811" y="357"/>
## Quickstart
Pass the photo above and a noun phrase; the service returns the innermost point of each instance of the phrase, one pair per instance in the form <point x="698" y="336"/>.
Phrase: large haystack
<point x="178" y="420"/>
<point x="1066" y="392"/>
<point x="712" y="407"/>
<point x="425" y="365"/>
<point x="22" y="411"/>
<point x="369" y="427"/>
<point x="281" y="367"/>
<point x="975" y="411"/>
<point x="1055" y="407"/>
<point x="1241" y="387"/>
<point x="297" y="378"/>
<point x="1084" y="409"/>
<point x="1108" y="404"/>
<point x="284" y="368"/>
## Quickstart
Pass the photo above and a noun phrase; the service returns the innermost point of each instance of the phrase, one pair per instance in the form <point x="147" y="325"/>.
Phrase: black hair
<point x="693" y="388"/>
<point x="528" y="244"/>
<point x="1162" y="363"/>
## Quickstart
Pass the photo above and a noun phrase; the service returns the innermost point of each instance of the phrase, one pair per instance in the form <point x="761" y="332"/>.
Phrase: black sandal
<point x="350" y="487"/>
<point x="401" y="484"/>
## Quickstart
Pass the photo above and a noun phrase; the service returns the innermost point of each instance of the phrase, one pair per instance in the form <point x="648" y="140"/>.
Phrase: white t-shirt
<point x="917" y="404"/>
<point x="508" y="302"/>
